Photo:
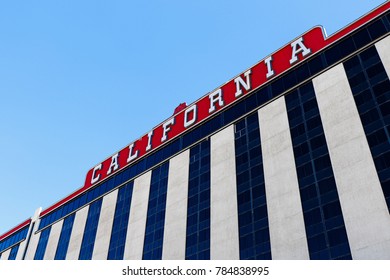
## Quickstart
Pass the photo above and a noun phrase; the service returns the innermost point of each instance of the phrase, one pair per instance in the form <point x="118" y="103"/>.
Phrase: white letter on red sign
<point x="167" y="127"/>
<point x="114" y="164"/>
<point x="150" y="134"/>
<point x="131" y="155"/>
<point x="190" y="122"/>
<point x="214" y="97"/>
<point x="240" y="82"/>
<point x="270" y="71"/>
<point x="95" y="178"/>
<point x="298" y="47"/>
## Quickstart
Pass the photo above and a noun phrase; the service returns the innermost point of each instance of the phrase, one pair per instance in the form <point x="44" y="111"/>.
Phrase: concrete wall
<point x="21" y="249"/>
<point x="103" y="233"/>
<point x="174" y="245"/>
<point x="5" y="255"/>
<point x="224" y="240"/>
<point x="285" y="216"/>
<point x="33" y="243"/>
<point x="52" y="243"/>
<point x="363" y="205"/>
<point x="383" y="48"/>
<point x="32" y="247"/>
<point x="76" y="236"/>
<point x="137" y="219"/>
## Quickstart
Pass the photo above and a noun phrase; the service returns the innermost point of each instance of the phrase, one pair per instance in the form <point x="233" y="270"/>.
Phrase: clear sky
<point x="79" y="80"/>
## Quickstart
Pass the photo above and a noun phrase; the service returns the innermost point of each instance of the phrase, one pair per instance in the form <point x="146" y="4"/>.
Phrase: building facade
<point x="288" y="160"/>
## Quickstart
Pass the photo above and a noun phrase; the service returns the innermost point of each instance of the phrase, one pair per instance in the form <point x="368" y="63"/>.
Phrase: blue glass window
<point x="91" y="225"/>
<point x="198" y="213"/>
<point x="252" y="205"/>
<point x="14" y="238"/>
<point x="42" y="243"/>
<point x="63" y="243"/>
<point x="370" y="86"/>
<point x="320" y="201"/>
<point x="121" y="220"/>
<point x="14" y="252"/>
<point x="154" y="232"/>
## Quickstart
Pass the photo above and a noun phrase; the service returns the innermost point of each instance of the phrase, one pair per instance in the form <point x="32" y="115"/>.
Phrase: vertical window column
<point x="372" y="97"/>
<point x="251" y="198"/>
<point x="198" y="211"/>
<point x="91" y="225"/>
<point x="154" y="232"/>
<point x="361" y="197"/>
<point x="121" y="220"/>
<point x="383" y="47"/>
<point x="324" y="223"/>
<point x="14" y="252"/>
<point x="42" y="244"/>
<point x="63" y="242"/>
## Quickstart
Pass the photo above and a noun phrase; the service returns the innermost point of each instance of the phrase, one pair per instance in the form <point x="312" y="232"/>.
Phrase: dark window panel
<point x="347" y="46"/>
<point x="121" y="217"/>
<point x="252" y="208"/>
<point x="333" y="54"/>
<point x="316" y="64"/>
<point x="361" y="38"/>
<point x="63" y="242"/>
<point x="320" y="203"/>
<point x="13" y="253"/>
<point x="376" y="29"/>
<point x="332" y="210"/>
<point x="198" y="213"/>
<point x="89" y="235"/>
<point x="303" y="72"/>
<point x="42" y="244"/>
<point x="373" y="106"/>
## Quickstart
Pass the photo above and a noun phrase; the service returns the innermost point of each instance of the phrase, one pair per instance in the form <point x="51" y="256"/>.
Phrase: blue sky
<point x="79" y="80"/>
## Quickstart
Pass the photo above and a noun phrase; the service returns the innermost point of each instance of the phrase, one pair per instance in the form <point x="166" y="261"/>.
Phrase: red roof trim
<point x="15" y="229"/>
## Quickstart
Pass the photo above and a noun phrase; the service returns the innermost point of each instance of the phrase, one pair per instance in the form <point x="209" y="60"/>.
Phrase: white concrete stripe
<point x="103" y="233"/>
<point x="53" y="240"/>
<point x="224" y="240"/>
<point x="76" y="236"/>
<point x="285" y="216"/>
<point x="22" y="246"/>
<point x="32" y="247"/>
<point x="174" y="245"/>
<point x="137" y="220"/>
<point x="5" y="255"/>
<point x="383" y="48"/>
<point x="363" y="205"/>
